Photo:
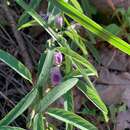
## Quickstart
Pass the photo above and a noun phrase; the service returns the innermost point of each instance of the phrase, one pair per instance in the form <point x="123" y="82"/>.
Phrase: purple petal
<point x="59" y="21"/>
<point x="58" y="58"/>
<point x="55" y="76"/>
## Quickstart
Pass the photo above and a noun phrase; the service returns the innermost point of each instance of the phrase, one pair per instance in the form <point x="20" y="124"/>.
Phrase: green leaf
<point x="25" y="17"/>
<point x="38" y="18"/>
<point x="38" y="123"/>
<point x="50" y="6"/>
<point x="92" y="95"/>
<point x="51" y="127"/>
<point x="90" y="91"/>
<point x="10" y="128"/>
<point x="71" y="118"/>
<point x="55" y="93"/>
<point x="68" y="97"/>
<point x="113" y="28"/>
<point x="55" y="13"/>
<point x="92" y="26"/>
<point x="94" y="51"/>
<point x="128" y="11"/>
<point x="45" y="72"/>
<point x="77" y="39"/>
<point x="88" y="7"/>
<point x="77" y="5"/>
<point x="122" y="11"/>
<point x="75" y="56"/>
<point x="68" y="65"/>
<point x="69" y="106"/>
<point x="41" y="63"/>
<point x="52" y="11"/>
<point x="60" y="40"/>
<point x="15" y="65"/>
<point x="28" y="24"/>
<point x="77" y="73"/>
<point x="19" y="108"/>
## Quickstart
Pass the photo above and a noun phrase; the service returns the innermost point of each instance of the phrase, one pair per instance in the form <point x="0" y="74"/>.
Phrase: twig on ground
<point x="12" y="80"/>
<point x="112" y="58"/>
<point x="18" y="37"/>
<point x="7" y="34"/>
<point x="6" y="98"/>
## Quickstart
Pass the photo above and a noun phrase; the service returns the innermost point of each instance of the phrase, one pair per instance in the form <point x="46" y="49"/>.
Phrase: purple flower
<point x="55" y="75"/>
<point x="59" y="21"/>
<point x="58" y="58"/>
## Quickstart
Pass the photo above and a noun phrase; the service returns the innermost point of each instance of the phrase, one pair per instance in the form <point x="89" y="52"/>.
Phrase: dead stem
<point x="18" y="37"/>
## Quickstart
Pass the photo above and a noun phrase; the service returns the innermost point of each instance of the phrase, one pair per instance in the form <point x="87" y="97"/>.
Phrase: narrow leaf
<point x="77" y="39"/>
<point x="75" y="56"/>
<point x="77" y="73"/>
<point x="92" y="26"/>
<point x="38" y="18"/>
<point x="41" y="63"/>
<point x="94" y="51"/>
<point x="19" y="108"/>
<point x="45" y="72"/>
<point x="56" y="92"/>
<point x="25" y="17"/>
<point x="54" y="13"/>
<point x="38" y="123"/>
<point x="10" y="128"/>
<point x="69" y="106"/>
<point x="28" y="24"/>
<point x="71" y="118"/>
<point x="77" y="5"/>
<point x="114" y="29"/>
<point x="15" y="65"/>
<point x="93" y="96"/>
<point x="68" y="97"/>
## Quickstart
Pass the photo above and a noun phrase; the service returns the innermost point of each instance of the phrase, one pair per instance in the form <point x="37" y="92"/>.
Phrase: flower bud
<point x="58" y="58"/>
<point x="59" y="22"/>
<point x="55" y="76"/>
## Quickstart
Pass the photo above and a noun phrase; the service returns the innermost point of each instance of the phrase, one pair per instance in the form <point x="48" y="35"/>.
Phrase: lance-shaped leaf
<point x="71" y="118"/>
<point x="10" y="128"/>
<point x="77" y="5"/>
<point x="76" y="57"/>
<point x="19" y="108"/>
<point x="15" y="65"/>
<point x="28" y="24"/>
<point x="38" y="18"/>
<point x="46" y="68"/>
<point x="25" y="17"/>
<point x="38" y="123"/>
<point x="56" y="92"/>
<point x="73" y="35"/>
<point x="69" y="106"/>
<point x="68" y="97"/>
<point x="45" y="71"/>
<point x="92" y="26"/>
<point x="92" y="95"/>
